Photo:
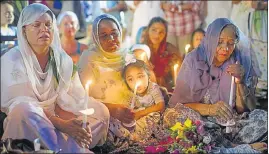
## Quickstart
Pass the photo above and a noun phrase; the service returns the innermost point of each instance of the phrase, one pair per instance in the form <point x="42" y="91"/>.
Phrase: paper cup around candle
<point x="87" y="112"/>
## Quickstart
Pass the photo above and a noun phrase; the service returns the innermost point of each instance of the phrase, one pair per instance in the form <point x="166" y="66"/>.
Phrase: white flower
<point x="129" y="58"/>
<point x="207" y="139"/>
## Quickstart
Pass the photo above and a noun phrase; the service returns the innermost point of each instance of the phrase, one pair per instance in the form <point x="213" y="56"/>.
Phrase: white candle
<point x="135" y="89"/>
<point x="231" y="92"/>
<point x="175" y="73"/>
<point x="187" y="48"/>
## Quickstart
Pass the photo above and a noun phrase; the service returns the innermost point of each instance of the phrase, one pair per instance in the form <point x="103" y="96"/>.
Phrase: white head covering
<point x="143" y="47"/>
<point x="68" y="13"/>
<point x="63" y="62"/>
<point x="24" y="80"/>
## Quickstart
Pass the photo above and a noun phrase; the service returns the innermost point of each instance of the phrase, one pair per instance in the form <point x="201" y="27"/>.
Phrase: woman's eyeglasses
<point x="107" y="37"/>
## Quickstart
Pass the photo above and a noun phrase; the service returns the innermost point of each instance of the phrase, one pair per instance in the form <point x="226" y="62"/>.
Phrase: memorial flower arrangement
<point x="187" y="137"/>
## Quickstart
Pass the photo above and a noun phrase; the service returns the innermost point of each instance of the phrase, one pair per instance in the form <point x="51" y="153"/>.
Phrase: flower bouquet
<point x="187" y="137"/>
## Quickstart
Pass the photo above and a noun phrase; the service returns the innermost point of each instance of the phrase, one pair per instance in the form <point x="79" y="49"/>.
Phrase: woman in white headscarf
<point x="41" y="92"/>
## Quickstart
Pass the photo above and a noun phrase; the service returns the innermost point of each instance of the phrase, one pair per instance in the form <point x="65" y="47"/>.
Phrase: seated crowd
<point x="137" y="93"/>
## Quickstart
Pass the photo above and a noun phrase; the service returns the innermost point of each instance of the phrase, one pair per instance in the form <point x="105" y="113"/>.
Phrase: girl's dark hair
<point x="199" y="30"/>
<point x="137" y="64"/>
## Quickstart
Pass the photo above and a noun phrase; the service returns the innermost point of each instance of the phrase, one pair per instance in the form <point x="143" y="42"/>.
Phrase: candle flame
<point x="138" y="83"/>
<point x="175" y="67"/>
<point x="187" y="48"/>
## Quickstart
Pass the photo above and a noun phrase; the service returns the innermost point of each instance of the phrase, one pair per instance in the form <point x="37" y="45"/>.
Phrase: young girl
<point x="142" y="52"/>
<point x="149" y="101"/>
<point x="196" y="38"/>
<point x="7" y="18"/>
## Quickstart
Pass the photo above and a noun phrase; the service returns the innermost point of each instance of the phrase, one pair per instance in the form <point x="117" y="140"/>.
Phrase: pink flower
<point x="160" y="149"/>
<point x="200" y="130"/>
<point x="150" y="149"/>
<point x="197" y="123"/>
<point x="153" y="149"/>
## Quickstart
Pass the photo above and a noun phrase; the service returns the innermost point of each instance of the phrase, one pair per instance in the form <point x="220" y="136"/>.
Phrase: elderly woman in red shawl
<point x="163" y="54"/>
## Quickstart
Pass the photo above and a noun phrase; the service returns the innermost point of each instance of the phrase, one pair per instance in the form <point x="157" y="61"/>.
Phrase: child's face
<point x="133" y="75"/>
<point x="7" y="16"/>
<point x="197" y="38"/>
<point x="141" y="55"/>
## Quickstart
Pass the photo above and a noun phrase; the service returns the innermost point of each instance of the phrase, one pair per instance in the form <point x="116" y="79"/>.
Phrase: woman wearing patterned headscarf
<point x="41" y="92"/>
<point x="204" y="85"/>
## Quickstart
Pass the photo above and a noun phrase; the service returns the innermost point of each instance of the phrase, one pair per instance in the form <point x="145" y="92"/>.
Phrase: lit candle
<point x="231" y="121"/>
<point x="175" y="73"/>
<point x="142" y="56"/>
<point x="135" y="89"/>
<point x="187" y="48"/>
<point x="231" y="92"/>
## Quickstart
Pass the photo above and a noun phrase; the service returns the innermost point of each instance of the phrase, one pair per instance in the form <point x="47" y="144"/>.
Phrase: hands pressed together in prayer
<point x="221" y="110"/>
<point x="73" y="127"/>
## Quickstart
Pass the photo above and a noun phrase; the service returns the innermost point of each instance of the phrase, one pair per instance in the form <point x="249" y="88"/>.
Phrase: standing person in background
<point x="144" y="12"/>
<point x="55" y="6"/>
<point x="258" y="34"/>
<point x="68" y="26"/>
<point x="115" y="8"/>
<point x="217" y="9"/>
<point x="240" y="14"/>
<point x="183" y="19"/>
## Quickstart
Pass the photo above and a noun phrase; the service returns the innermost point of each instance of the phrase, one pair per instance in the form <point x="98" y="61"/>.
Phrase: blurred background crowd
<point x="186" y="21"/>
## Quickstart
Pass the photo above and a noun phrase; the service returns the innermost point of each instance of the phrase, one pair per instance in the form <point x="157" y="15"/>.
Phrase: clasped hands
<point x="125" y="114"/>
<point x="73" y="127"/>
